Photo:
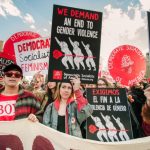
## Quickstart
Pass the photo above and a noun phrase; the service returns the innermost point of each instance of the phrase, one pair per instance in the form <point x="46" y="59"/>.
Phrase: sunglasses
<point x="10" y="74"/>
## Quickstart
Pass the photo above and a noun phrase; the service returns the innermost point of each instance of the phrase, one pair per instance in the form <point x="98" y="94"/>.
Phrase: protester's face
<point x="101" y="84"/>
<point x="65" y="90"/>
<point x="137" y="85"/>
<point x="51" y="85"/>
<point x="90" y="85"/>
<point x="141" y="86"/>
<point x="25" y="84"/>
<point x="37" y="84"/>
<point x="12" y="78"/>
<point x="144" y="80"/>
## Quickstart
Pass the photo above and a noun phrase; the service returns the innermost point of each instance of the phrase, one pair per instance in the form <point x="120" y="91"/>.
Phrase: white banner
<point x="33" y="55"/>
<point x="26" y="135"/>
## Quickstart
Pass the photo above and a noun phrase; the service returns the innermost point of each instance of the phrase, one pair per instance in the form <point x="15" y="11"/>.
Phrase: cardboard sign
<point x="127" y="65"/>
<point x="33" y="55"/>
<point x="110" y="120"/>
<point x="75" y="44"/>
<point x="17" y="37"/>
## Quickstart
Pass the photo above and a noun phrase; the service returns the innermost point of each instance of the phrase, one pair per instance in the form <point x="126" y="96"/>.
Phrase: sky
<point x="124" y="21"/>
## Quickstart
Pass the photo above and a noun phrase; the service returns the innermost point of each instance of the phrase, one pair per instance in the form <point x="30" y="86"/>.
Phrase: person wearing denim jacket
<point x="71" y="105"/>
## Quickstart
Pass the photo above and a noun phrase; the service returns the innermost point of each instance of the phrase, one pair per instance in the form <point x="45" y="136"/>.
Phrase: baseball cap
<point x="14" y="67"/>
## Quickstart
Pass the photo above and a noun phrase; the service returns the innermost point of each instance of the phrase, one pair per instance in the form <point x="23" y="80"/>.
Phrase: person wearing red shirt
<point x="16" y="103"/>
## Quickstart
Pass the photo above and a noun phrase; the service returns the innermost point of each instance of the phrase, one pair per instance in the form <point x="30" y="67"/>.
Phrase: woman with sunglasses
<point x="15" y="103"/>
<point x="69" y="109"/>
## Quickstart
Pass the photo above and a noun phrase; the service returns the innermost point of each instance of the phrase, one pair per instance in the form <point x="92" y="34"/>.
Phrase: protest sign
<point x="110" y="120"/>
<point x="26" y="135"/>
<point x="127" y="65"/>
<point x="75" y="44"/>
<point x="33" y="55"/>
<point x="17" y="37"/>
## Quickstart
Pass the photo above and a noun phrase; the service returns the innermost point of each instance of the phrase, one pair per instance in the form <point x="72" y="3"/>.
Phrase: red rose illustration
<point x="57" y="54"/>
<point x="92" y="128"/>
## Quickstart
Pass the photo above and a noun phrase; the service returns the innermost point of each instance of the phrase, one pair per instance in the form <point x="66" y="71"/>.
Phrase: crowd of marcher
<point x="63" y="105"/>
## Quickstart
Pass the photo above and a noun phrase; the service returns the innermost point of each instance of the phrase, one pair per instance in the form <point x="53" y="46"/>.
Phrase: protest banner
<point x="110" y="120"/>
<point x="127" y="65"/>
<point x="26" y="135"/>
<point x="17" y="37"/>
<point x="33" y="55"/>
<point x="75" y="44"/>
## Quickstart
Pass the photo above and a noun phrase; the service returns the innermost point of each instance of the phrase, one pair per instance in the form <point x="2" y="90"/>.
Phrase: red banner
<point x="127" y="64"/>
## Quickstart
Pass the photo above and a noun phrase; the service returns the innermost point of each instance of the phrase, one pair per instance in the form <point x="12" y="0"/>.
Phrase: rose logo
<point x="92" y="128"/>
<point x="57" y="74"/>
<point x="57" y="54"/>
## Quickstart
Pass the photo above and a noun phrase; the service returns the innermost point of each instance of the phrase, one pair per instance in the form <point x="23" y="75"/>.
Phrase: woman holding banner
<point x="66" y="113"/>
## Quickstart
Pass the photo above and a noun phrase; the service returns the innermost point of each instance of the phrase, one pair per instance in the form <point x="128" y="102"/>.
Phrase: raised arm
<point x="102" y="116"/>
<point x="84" y="109"/>
<point x="57" y="40"/>
<point x="114" y="118"/>
<point x="83" y="43"/>
<point x="71" y="41"/>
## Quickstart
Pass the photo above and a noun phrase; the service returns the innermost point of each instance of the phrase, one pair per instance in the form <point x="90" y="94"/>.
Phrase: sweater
<point x="26" y="104"/>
